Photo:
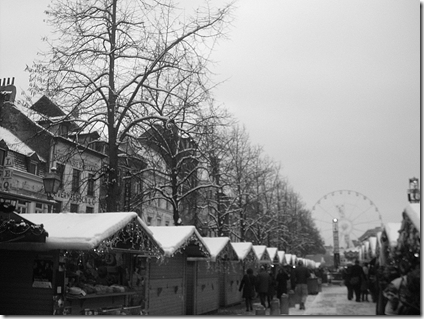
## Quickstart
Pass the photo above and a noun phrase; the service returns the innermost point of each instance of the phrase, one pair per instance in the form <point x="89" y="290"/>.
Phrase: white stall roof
<point x="281" y="256"/>
<point x="413" y="212"/>
<point x="174" y="239"/>
<point x="392" y="232"/>
<point x="373" y="245"/>
<point x="77" y="231"/>
<point x="261" y="253"/>
<point x="288" y="258"/>
<point x="242" y="249"/>
<point x="216" y="245"/>
<point x="272" y="252"/>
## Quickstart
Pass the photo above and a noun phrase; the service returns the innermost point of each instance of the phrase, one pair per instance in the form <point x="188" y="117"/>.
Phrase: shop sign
<point x="76" y="198"/>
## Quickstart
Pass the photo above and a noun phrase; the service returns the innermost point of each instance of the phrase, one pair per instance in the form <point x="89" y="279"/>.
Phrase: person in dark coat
<point x="302" y="274"/>
<point x="262" y="285"/>
<point x="271" y="288"/>
<point x="248" y="286"/>
<point x="281" y="280"/>
<point x="357" y="275"/>
<point x="347" y="274"/>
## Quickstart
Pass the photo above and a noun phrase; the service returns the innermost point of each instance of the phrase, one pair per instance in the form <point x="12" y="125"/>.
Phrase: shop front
<point x="87" y="264"/>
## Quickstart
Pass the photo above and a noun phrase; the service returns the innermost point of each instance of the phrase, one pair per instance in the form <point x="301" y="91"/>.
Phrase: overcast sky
<point x="329" y="88"/>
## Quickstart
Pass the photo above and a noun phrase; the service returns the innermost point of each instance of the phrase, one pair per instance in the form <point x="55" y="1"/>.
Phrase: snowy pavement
<point x="331" y="301"/>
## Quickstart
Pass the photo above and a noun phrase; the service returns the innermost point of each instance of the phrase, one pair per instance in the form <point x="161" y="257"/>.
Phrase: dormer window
<point x="33" y="167"/>
<point x="3" y="152"/>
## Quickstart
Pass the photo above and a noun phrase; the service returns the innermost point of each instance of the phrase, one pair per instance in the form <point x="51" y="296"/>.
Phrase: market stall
<point x="215" y="285"/>
<point x="262" y="255"/>
<point x="85" y="265"/>
<point x="172" y="288"/>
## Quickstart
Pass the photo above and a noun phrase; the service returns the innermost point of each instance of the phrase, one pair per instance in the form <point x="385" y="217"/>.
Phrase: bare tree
<point x="122" y="67"/>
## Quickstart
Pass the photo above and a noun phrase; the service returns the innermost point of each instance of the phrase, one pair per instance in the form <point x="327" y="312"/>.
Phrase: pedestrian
<point x="347" y="274"/>
<point x="357" y="276"/>
<point x="248" y="286"/>
<point x="281" y="282"/>
<point x="262" y="285"/>
<point x="271" y="288"/>
<point x="301" y="274"/>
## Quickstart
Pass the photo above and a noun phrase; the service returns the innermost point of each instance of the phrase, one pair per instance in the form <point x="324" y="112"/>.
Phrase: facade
<point x="54" y="142"/>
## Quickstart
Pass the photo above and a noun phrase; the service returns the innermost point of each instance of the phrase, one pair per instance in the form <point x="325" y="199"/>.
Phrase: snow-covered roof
<point x="15" y="144"/>
<point x="288" y="259"/>
<point x="174" y="239"/>
<point x="272" y="252"/>
<point x="220" y="245"/>
<point x="373" y="245"/>
<point x="281" y="256"/>
<point x="413" y="212"/>
<point x="243" y="249"/>
<point x="77" y="231"/>
<point x="261" y="253"/>
<point x="392" y="232"/>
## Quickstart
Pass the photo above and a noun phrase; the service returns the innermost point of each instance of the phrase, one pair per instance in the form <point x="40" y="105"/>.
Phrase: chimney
<point x="7" y="90"/>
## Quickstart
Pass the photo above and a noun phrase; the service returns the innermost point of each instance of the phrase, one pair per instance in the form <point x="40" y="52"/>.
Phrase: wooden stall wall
<point x="166" y="287"/>
<point x="17" y="296"/>
<point x="207" y="288"/>
<point x="230" y="283"/>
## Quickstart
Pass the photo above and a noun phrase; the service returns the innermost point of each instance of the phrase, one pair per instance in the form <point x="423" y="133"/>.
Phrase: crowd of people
<point x="360" y="281"/>
<point x="267" y="284"/>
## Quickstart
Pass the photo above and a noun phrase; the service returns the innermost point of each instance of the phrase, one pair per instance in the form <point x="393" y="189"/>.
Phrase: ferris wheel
<point x="355" y="214"/>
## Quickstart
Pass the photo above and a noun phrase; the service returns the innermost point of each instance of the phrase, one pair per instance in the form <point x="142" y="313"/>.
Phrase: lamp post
<point x="336" y="242"/>
<point x="51" y="182"/>
<point x="414" y="190"/>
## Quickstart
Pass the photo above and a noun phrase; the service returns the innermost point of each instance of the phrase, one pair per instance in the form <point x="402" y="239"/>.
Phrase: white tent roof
<point x="261" y="253"/>
<point x="373" y="245"/>
<point x="413" y="212"/>
<point x="288" y="258"/>
<point x="172" y="239"/>
<point x="281" y="254"/>
<point x="76" y="231"/>
<point x="272" y="252"/>
<point x="216" y="245"/>
<point x="242" y="249"/>
<point x="392" y="231"/>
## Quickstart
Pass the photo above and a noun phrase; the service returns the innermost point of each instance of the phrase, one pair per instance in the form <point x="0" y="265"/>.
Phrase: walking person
<point x="357" y="276"/>
<point x="271" y="288"/>
<point x="347" y="274"/>
<point x="248" y="286"/>
<point x="281" y="282"/>
<point x="301" y="274"/>
<point x="262" y="285"/>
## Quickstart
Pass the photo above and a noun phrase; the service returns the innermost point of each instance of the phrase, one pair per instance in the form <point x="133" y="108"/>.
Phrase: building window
<point x="74" y="208"/>
<point x="38" y="208"/>
<point x="2" y="156"/>
<point x="90" y="185"/>
<point x="159" y="221"/>
<point x="76" y="174"/>
<point x="57" y="208"/>
<point x="21" y="207"/>
<point x="149" y="220"/>
<point x="89" y="210"/>
<point x="63" y="130"/>
<point x="32" y="167"/>
<point x="166" y="222"/>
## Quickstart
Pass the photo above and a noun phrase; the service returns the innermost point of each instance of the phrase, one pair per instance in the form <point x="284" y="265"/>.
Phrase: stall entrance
<point x="190" y="287"/>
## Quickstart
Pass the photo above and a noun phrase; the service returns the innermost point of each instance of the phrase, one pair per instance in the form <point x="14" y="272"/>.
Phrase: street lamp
<point x="414" y="190"/>
<point x="336" y="242"/>
<point x="51" y="182"/>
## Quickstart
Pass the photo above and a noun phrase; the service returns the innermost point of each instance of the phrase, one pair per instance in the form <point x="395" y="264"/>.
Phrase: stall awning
<point x="262" y="253"/>
<point x="220" y="247"/>
<point x="175" y="239"/>
<point x="281" y="257"/>
<point x="244" y="251"/>
<point x="272" y="252"/>
<point x="413" y="212"/>
<point x="392" y="232"/>
<point x="73" y="231"/>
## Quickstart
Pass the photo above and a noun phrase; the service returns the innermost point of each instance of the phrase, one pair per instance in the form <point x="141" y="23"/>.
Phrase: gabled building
<point x="57" y="143"/>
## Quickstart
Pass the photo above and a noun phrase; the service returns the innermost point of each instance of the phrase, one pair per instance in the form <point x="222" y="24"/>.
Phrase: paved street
<point x="332" y="300"/>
